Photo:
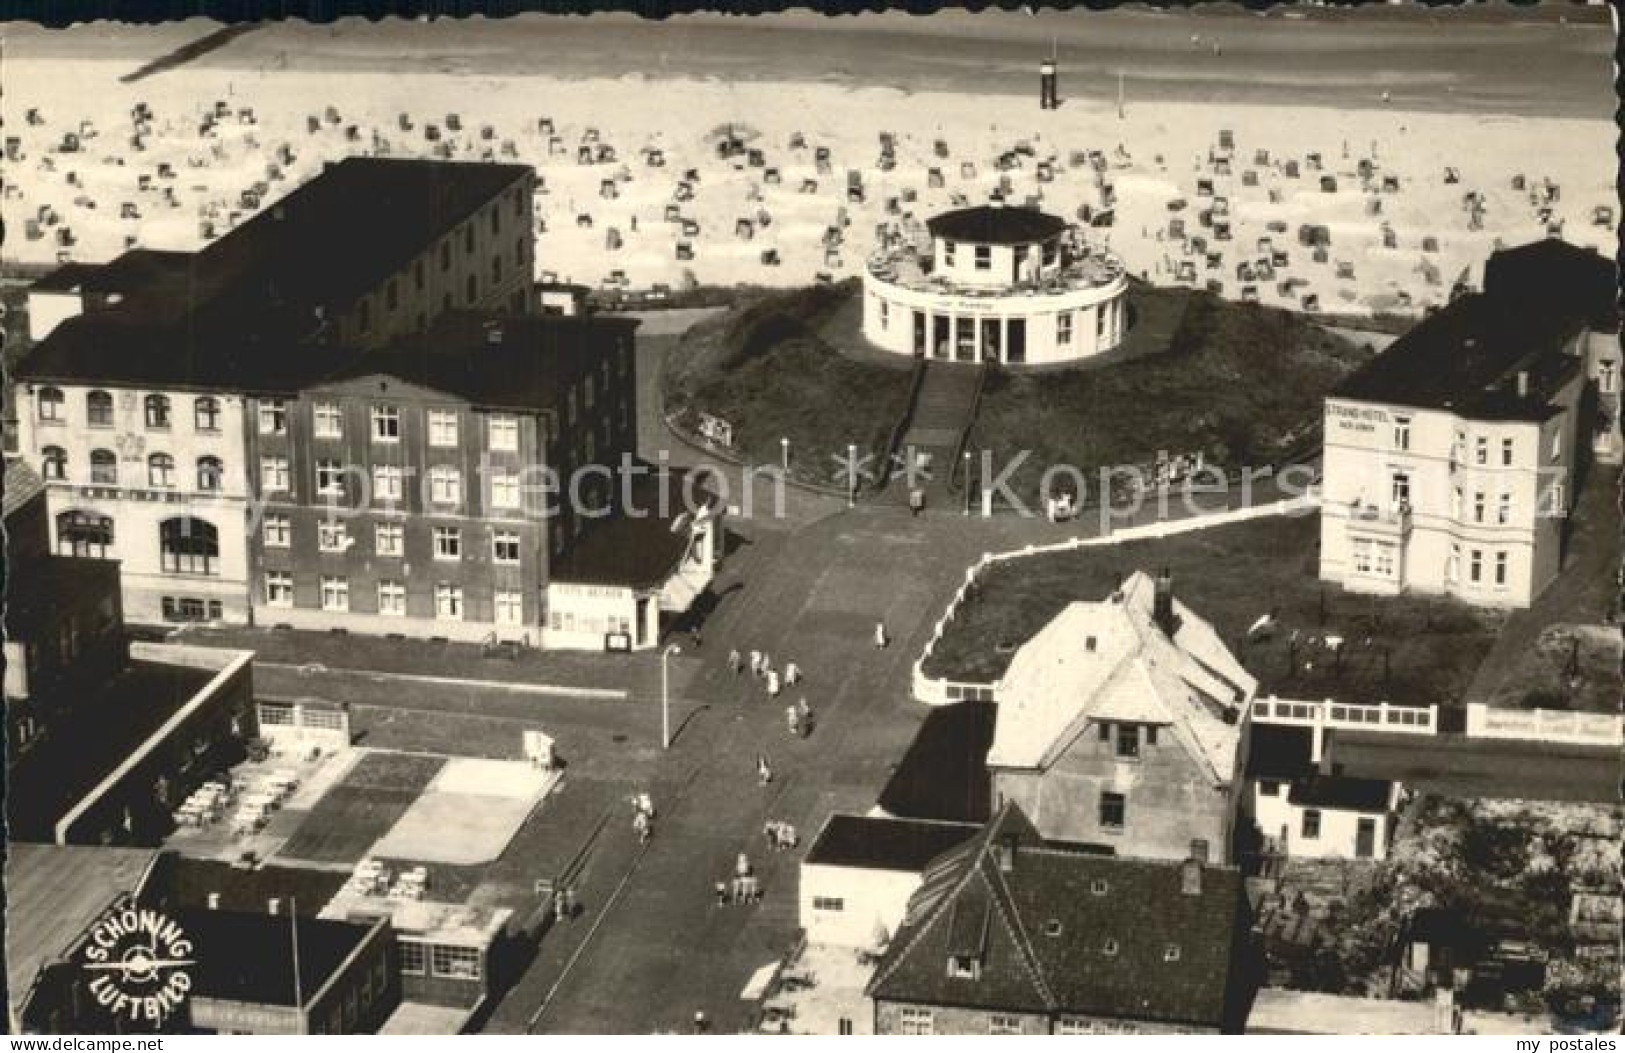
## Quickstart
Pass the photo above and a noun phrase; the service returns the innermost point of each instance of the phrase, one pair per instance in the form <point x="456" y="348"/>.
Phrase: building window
<point x="53" y="464"/>
<point x="448" y="601"/>
<point x="335" y="593"/>
<point x="984" y="257"/>
<point x="1362" y="556"/>
<point x="278" y="531"/>
<point x="392" y="294"/>
<point x="1506" y="451"/>
<point x="332" y="536"/>
<point x="99" y="409"/>
<point x="1481" y="450"/>
<point x="1400" y="494"/>
<point x="391" y="598"/>
<point x="413" y="958"/>
<point x="1500" y="569"/>
<point x="389" y="539"/>
<point x="1269" y="788"/>
<point x="503" y="434"/>
<point x="510" y="608"/>
<point x="161" y="470"/>
<point x="1003" y="1024"/>
<point x="329" y="477"/>
<point x="473" y="291"/>
<point x="456" y="963"/>
<point x="1452" y="565"/>
<point x="1402" y="433"/>
<point x="496" y="270"/>
<point x="1075" y="1025"/>
<point x="386" y="424"/>
<point x="505" y="547"/>
<point x="916" y="1022"/>
<point x="83" y="534"/>
<point x="1556" y="505"/>
<point x="1063" y="328"/>
<point x="445" y="485"/>
<point x="443" y="428"/>
<point x="1607" y="379"/>
<point x="206" y="414"/>
<point x="1113" y="810"/>
<point x="157" y="408"/>
<point x="1311" y="824"/>
<point x="831" y="904"/>
<point x="329" y="422"/>
<point x="1503" y="509"/>
<point x="279" y="588"/>
<point x="1385" y="560"/>
<point x="103" y="467"/>
<point x="386" y="482"/>
<point x="274" y="474"/>
<point x="1475" y="566"/>
<point x="1557" y="444"/>
<point x="964" y="966"/>
<point x="187" y="545"/>
<point x="448" y="543"/>
<point x="504" y="490"/>
<point x="1478" y="507"/>
<point x="273" y="417"/>
<point x="50" y="404"/>
<point x="1128" y="740"/>
<point x="948" y="251"/>
<point x="210" y="473"/>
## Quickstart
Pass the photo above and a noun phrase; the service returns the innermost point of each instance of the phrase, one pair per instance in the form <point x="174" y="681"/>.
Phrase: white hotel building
<point x="1450" y="459"/>
<point x="998" y="284"/>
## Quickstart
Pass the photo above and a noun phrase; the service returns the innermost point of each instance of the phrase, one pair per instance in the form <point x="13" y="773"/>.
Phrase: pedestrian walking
<point x="701" y="1024"/>
<point x="742" y="865"/>
<point x="736" y="663"/>
<point x="764" y="774"/>
<point x="804" y="712"/>
<point x="772" y="683"/>
<point x="792" y="673"/>
<point x="792" y="717"/>
<point x="916" y="501"/>
<point x="722" y="893"/>
<point x="880" y="636"/>
<point x="756" y="663"/>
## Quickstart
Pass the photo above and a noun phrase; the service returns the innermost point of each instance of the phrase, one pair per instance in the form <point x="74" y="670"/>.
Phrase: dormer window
<point x="1170" y="953"/>
<point x="1052" y="928"/>
<point x="1109" y="948"/>
<point x="1089" y="644"/>
<point x="1099" y="887"/>
<point x="964" y="967"/>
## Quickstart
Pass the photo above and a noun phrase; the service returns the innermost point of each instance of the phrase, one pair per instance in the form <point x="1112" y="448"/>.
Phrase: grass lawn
<point x="1561" y="653"/>
<point x="1239" y="382"/>
<point x="1402" y="649"/>
<point x="770" y="369"/>
<point x="362" y="808"/>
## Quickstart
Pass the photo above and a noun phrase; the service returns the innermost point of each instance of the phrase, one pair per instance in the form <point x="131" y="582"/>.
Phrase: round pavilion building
<point x="1000" y="284"/>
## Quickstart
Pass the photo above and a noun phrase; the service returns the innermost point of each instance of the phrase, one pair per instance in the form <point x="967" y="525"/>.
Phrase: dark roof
<point x="183" y="882"/>
<point x="238" y="315"/>
<point x="996" y="225"/>
<point x="1552" y="271"/>
<point x="494" y="361"/>
<point x="247" y="957"/>
<point x="638" y="551"/>
<point x="34" y="586"/>
<point x="884" y="843"/>
<point x="1466" y="357"/>
<point x="1041" y="929"/>
<point x="944" y="776"/>
<point x="1341" y="792"/>
<point x="22" y="484"/>
<point x="1280" y="753"/>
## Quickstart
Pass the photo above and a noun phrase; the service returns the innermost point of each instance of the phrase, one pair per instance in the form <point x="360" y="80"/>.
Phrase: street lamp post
<point x="967" y="482"/>
<point x="851" y="474"/>
<point x="665" y="696"/>
<point x="784" y="453"/>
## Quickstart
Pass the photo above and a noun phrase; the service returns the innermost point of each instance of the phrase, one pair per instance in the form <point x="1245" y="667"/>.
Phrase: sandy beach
<point x="1205" y="181"/>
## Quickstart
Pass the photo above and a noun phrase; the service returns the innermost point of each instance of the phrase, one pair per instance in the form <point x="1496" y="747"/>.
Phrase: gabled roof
<point x="22" y="484"/>
<point x="1059" y="931"/>
<point x="1057" y="686"/>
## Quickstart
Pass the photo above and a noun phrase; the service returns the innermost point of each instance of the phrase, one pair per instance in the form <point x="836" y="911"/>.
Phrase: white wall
<point x="868" y="898"/>
<point x="1338" y="828"/>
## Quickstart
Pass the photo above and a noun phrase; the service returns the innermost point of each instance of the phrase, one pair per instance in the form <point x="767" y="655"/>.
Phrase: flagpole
<point x="298" y="987"/>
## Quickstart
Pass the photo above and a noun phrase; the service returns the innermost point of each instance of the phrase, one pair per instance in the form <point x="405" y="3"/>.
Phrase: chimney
<point x="1190" y="878"/>
<point x="1523" y="383"/>
<point x="273" y="906"/>
<point x="214" y="901"/>
<point x="1162" y="608"/>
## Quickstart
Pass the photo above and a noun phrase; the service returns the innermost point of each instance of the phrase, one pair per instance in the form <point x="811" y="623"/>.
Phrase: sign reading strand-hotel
<point x="138" y="961"/>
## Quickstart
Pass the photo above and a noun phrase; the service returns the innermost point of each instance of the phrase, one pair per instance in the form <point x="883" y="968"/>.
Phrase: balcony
<point x="1392" y="522"/>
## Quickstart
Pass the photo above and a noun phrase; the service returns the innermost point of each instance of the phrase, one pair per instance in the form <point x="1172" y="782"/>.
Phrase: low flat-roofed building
<point x="860" y="870"/>
<point x="1277" y="1011"/>
<point x="54" y="894"/>
<point x="1302" y="813"/>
